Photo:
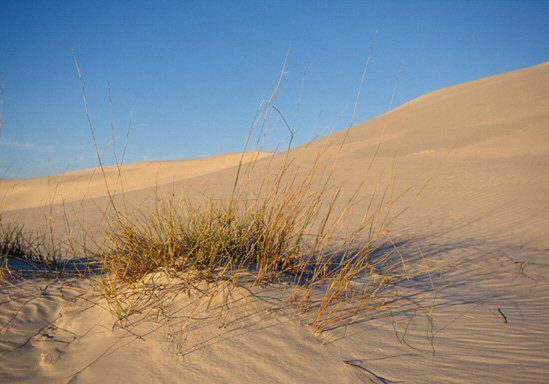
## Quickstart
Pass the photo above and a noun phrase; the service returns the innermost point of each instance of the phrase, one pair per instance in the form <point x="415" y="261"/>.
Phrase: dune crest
<point x="89" y="183"/>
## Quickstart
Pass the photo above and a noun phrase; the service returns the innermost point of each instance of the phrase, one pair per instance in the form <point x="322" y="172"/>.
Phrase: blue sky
<point x="193" y="73"/>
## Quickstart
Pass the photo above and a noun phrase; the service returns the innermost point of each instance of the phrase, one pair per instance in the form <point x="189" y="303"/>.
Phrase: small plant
<point x="282" y="225"/>
<point x="28" y="249"/>
<point x="288" y="234"/>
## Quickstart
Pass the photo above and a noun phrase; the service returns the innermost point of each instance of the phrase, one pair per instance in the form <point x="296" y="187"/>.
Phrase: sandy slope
<point x="484" y="215"/>
<point x="89" y="183"/>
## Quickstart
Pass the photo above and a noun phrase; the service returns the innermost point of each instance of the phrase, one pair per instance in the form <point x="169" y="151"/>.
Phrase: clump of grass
<point x="286" y="228"/>
<point x="281" y="227"/>
<point x="289" y="234"/>
<point x="30" y="249"/>
<point x="269" y="235"/>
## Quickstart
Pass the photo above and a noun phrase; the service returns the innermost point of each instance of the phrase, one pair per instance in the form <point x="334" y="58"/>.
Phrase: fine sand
<point x="474" y="160"/>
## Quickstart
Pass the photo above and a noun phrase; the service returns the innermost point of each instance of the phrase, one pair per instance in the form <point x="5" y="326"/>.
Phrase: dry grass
<point x="284" y="229"/>
<point x="281" y="226"/>
<point x="285" y="232"/>
<point x="26" y="248"/>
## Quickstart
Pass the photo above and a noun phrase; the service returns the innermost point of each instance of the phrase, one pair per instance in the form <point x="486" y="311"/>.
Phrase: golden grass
<point x="283" y="227"/>
<point x="30" y="249"/>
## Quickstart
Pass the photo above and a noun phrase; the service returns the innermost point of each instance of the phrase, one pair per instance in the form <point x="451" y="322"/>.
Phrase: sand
<point x="482" y="150"/>
<point x="89" y="183"/>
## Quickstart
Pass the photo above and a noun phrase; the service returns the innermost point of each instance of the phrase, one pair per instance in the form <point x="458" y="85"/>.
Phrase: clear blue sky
<point x="193" y="73"/>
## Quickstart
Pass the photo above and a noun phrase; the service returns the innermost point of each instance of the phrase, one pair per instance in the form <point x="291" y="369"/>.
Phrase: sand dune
<point x="483" y="148"/>
<point x="89" y="183"/>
